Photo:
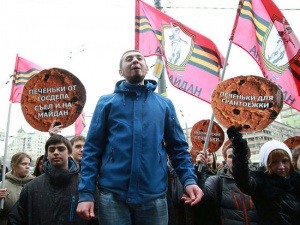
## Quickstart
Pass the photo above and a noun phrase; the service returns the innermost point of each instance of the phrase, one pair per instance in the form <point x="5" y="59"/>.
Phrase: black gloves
<point x="236" y="138"/>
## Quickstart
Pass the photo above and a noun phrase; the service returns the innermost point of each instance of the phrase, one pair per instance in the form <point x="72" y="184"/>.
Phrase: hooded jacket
<point x="203" y="214"/>
<point x="236" y="208"/>
<point x="276" y="198"/>
<point x="131" y="133"/>
<point x="50" y="200"/>
<point x="14" y="186"/>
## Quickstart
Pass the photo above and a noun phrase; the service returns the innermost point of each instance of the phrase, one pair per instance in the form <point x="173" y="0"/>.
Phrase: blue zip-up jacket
<point x="131" y="133"/>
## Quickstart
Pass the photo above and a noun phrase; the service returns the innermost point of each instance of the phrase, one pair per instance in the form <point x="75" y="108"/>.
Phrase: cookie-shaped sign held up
<point x="249" y="101"/>
<point x="292" y="142"/>
<point x="52" y="94"/>
<point x="198" y="136"/>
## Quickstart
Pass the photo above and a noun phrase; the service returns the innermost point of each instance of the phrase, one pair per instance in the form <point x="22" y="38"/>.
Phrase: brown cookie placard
<point x="249" y="101"/>
<point x="199" y="132"/>
<point x="52" y="94"/>
<point x="292" y="142"/>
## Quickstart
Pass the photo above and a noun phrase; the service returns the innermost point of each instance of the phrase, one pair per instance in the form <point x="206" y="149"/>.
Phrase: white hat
<point x="270" y="146"/>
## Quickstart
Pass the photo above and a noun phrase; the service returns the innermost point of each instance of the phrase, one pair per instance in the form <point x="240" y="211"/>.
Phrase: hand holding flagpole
<point x="5" y="155"/>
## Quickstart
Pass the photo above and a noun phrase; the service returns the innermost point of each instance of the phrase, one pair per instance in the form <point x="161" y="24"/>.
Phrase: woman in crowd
<point x="275" y="186"/>
<point x="14" y="182"/>
<point x="223" y="202"/>
<point x="38" y="166"/>
<point x="296" y="158"/>
<point x="195" y="215"/>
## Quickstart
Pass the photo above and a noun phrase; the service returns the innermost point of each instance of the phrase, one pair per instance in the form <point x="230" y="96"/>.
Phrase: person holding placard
<point x="275" y="186"/>
<point x="14" y="183"/>
<point x="200" y="213"/>
<point x="223" y="202"/>
<point x="3" y="171"/>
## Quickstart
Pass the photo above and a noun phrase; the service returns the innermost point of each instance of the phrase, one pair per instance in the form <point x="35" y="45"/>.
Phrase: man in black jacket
<point x="52" y="197"/>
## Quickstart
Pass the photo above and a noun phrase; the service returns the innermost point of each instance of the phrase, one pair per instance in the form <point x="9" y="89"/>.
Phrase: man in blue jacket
<point x="131" y="133"/>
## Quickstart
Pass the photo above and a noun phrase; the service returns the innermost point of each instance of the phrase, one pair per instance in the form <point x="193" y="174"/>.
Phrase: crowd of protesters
<point x="223" y="202"/>
<point x="119" y="174"/>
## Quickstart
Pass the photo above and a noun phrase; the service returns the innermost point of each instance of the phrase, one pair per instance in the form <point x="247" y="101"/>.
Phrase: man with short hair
<point x="52" y="197"/>
<point x="77" y="143"/>
<point x="131" y="133"/>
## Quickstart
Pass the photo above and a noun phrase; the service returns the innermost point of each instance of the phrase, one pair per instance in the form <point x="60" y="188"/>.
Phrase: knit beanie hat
<point x="268" y="147"/>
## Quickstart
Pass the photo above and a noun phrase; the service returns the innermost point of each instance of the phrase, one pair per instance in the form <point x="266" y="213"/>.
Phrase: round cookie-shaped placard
<point x="249" y="101"/>
<point x="52" y="94"/>
<point x="198" y="136"/>
<point x="292" y="142"/>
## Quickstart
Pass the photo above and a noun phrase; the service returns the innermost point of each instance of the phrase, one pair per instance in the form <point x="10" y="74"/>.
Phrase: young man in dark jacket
<point x="52" y="197"/>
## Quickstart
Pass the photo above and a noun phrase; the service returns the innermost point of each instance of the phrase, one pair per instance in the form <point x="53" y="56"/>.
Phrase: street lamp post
<point x="24" y="139"/>
<point x="161" y="80"/>
<point x="260" y="139"/>
<point x="186" y="127"/>
<point x="157" y="4"/>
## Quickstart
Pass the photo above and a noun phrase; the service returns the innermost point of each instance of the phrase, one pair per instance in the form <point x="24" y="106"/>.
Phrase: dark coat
<point x="50" y="200"/>
<point x="236" y="207"/>
<point x="277" y="199"/>
<point x="202" y="214"/>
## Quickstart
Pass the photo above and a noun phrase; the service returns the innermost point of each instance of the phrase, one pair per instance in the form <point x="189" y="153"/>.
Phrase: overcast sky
<point x="88" y="37"/>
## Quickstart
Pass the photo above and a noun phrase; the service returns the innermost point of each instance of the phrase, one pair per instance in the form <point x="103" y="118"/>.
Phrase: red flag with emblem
<point x="24" y="70"/>
<point x="262" y="30"/>
<point x="192" y="60"/>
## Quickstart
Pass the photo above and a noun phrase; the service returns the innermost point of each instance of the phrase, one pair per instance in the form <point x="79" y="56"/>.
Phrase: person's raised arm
<point x="240" y="169"/>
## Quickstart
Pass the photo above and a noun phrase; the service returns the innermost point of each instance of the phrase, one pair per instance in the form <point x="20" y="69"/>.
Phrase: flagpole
<point x="161" y="80"/>
<point x="5" y="153"/>
<point x="7" y="135"/>
<point x="134" y="19"/>
<point x="212" y="115"/>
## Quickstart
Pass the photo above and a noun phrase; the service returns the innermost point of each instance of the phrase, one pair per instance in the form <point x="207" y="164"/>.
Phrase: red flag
<point x="192" y="60"/>
<point x="24" y="70"/>
<point x="80" y="124"/>
<point x="262" y="30"/>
